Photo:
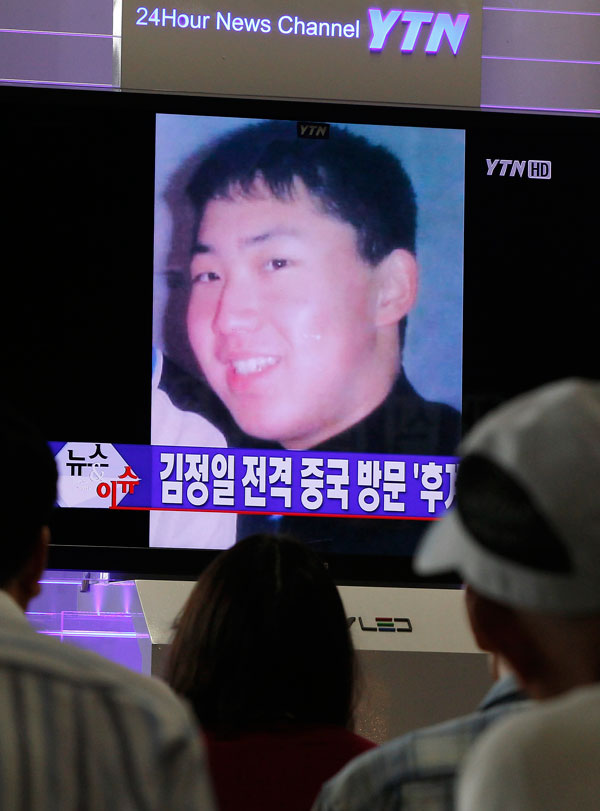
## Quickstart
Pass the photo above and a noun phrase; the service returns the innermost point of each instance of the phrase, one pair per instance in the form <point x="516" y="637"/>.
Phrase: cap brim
<point x="443" y="547"/>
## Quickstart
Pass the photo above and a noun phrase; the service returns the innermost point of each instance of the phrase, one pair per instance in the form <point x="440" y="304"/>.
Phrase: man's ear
<point x="34" y="568"/>
<point x="397" y="275"/>
<point x="500" y="630"/>
<point x="489" y="621"/>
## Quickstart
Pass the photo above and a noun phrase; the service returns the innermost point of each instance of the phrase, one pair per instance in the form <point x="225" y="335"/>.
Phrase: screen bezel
<point x="355" y="568"/>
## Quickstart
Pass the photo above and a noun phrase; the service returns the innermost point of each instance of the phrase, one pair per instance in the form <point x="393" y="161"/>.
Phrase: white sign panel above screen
<point x="346" y="51"/>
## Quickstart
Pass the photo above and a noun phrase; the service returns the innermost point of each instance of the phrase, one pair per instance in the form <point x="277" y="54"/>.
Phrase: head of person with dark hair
<point x="263" y="641"/>
<point x="354" y="180"/>
<point x="29" y="480"/>
<point x="525" y="535"/>
<point x="302" y="274"/>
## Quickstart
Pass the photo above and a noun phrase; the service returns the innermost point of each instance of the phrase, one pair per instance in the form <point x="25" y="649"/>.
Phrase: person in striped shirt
<point x="78" y="732"/>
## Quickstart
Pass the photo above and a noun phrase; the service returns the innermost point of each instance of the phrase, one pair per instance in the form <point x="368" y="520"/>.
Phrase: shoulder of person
<point x="361" y="784"/>
<point x="434" y="753"/>
<point x="87" y="671"/>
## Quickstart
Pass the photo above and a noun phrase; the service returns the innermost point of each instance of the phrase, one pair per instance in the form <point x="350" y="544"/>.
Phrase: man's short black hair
<point x="29" y="480"/>
<point x="359" y="182"/>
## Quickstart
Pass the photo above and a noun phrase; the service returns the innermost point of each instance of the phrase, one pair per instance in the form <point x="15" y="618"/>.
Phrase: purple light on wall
<point x="41" y="613"/>
<point x="541" y="109"/>
<point x="120" y="635"/>
<point x="60" y="583"/>
<point x="52" y="33"/>
<point x="77" y="582"/>
<point x="93" y="617"/>
<point x="97" y="634"/>
<point x="88" y="85"/>
<point x="544" y="11"/>
<point x="536" y="59"/>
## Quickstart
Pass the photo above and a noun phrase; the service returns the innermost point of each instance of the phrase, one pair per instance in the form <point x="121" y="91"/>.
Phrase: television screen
<point x="334" y="288"/>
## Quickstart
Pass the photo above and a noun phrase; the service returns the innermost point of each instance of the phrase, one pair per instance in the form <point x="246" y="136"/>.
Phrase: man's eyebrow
<point x="200" y="247"/>
<point x="278" y="231"/>
<point x="255" y="239"/>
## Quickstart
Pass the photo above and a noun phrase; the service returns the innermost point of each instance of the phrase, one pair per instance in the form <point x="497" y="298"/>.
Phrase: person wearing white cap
<point x="525" y="537"/>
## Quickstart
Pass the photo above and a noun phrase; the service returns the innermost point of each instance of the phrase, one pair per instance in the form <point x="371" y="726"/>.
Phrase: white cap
<point x="548" y="442"/>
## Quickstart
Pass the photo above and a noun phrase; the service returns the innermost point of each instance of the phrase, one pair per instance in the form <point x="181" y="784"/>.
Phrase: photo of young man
<point x="301" y="274"/>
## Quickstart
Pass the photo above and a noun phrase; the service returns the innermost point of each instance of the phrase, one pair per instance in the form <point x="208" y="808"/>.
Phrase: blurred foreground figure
<point x="418" y="771"/>
<point x="525" y="536"/>
<point x="79" y="733"/>
<point x="263" y="653"/>
<point x="546" y="760"/>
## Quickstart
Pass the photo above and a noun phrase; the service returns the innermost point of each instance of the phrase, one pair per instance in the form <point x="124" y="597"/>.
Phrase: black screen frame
<point x="496" y="366"/>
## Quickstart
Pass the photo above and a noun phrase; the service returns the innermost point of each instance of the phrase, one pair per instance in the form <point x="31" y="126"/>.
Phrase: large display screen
<point x="333" y="288"/>
<point x="297" y="256"/>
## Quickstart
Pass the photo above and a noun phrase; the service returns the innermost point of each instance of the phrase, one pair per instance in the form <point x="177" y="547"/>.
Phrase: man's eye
<point x="277" y="264"/>
<point x="205" y="276"/>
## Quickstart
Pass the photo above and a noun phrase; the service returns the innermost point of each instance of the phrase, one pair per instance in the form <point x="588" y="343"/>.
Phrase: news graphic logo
<point x="438" y="26"/>
<point x="308" y="129"/>
<point x="118" y="488"/>
<point x="503" y="167"/>
<point x="426" y="29"/>
<point x="93" y="474"/>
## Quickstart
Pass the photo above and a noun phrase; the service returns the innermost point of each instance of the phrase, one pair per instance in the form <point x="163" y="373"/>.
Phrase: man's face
<point x="283" y="317"/>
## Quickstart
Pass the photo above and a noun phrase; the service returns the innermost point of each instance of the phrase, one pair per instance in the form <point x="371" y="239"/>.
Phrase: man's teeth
<point x="250" y="366"/>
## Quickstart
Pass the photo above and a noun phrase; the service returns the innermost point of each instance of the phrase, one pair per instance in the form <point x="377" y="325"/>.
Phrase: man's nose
<point x="237" y="308"/>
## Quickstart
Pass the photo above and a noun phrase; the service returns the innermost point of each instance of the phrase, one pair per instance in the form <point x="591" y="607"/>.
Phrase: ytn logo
<point x="306" y="129"/>
<point x="438" y="26"/>
<point x="536" y="170"/>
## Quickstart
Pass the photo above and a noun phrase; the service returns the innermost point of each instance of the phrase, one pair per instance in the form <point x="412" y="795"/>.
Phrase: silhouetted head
<point x="263" y="640"/>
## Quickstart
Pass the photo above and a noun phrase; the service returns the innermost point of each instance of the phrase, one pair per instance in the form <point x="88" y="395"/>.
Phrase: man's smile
<point x="249" y="366"/>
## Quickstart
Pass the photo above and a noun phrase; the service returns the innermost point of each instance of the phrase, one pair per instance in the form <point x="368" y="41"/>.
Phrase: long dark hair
<point x="263" y="639"/>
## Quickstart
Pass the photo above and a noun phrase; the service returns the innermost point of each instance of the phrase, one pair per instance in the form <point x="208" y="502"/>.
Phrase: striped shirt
<point x="81" y="733"/>
<point x="417" y="772"/>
